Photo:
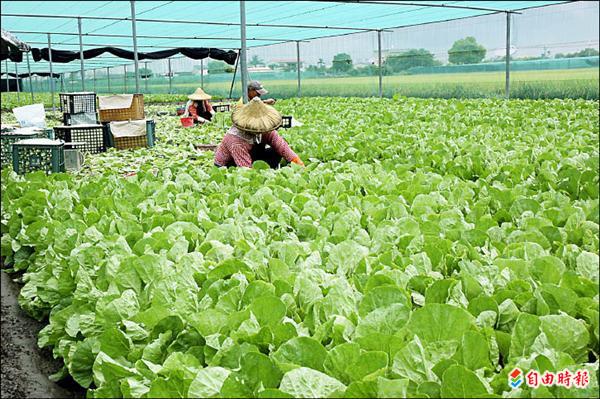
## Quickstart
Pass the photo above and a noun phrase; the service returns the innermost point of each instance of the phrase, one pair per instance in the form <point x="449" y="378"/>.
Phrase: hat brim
<point x="256" y="117"/>
<point x="199" y="97"/>
<point x="262" y="92"/>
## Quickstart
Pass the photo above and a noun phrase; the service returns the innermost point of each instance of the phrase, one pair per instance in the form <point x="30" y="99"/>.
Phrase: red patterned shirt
<point x="234" y="149"/>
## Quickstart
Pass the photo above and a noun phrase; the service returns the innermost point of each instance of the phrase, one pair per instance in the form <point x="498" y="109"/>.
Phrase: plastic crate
<point x="91" y="135"/>
<point x="286" y="122"/>
<point x="75" y="103"/>
<point x="222" y="107"/>
<point x="124" y="143"/>
<point x="83" y="118"/>
<point x="38" y="154"/>
<point x="134" y="113"/>
<point x="7" y="139"/>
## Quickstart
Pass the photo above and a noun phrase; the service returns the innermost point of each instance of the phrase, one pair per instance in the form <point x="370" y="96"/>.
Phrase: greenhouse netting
<point x="320" y="48"/>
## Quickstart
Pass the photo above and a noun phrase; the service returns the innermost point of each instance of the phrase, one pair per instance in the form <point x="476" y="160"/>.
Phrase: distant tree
<point x="274" y="66"/>
<point x="466" y="51"/>
<point x="320" y="67"/>
<point x="587" y="52"/>
<point x="290" y="66"/>
<point x="410" y="58"/>
<point x="255" y="61"/>
<point x="342" y="62"/>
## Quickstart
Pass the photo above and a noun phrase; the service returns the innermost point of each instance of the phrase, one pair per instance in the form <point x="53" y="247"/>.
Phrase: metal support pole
<point x="507" y="73"/>
<point x="62" y="82"/>
<point x="243" y="65"/>
<point x="108" y="78"/>
<point x="81" y="54"/>
<point x="7" y="77"/>
<point x="18" y="88"/>
<point x="135" y="51"/>
<point x="170" y="73"/>
<point x="298" y="66"/>
<point x="147" y="77"/>
<point x="30" y="83"/>
<point x="379" y="63"/>
<point x="124" y="78"/>
<point x="202" y="74"/>
<point x="94" y="72"/>
<point x="51" y="75"/>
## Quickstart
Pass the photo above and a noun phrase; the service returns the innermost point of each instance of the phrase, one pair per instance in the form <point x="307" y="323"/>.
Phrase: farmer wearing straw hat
<point x="198" y="107"/>
<point x="253" y="129"/>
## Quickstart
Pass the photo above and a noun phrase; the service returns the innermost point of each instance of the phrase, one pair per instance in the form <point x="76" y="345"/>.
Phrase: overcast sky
<point x="559" y="29"/>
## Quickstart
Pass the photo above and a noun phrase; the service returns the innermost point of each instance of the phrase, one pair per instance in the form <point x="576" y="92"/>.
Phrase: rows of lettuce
<point x="428" y="249"/>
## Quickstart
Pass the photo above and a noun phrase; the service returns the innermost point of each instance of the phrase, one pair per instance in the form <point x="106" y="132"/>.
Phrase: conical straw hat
<point x="256" y="117"/>
<point x="199" y="94"/>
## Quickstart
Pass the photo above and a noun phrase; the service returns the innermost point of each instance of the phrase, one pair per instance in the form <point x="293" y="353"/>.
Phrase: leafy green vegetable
<point x="427" y="249"/>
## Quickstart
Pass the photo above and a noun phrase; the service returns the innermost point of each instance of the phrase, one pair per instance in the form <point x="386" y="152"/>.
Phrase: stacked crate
<point x="134" y="113"/>
<point x="80" y="122"/>
<point x="79" y="108"/>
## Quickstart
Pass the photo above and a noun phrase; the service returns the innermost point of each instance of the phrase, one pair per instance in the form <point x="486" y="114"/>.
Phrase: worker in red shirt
<point x="246" y="141"/>
<point x="198" y="107"/>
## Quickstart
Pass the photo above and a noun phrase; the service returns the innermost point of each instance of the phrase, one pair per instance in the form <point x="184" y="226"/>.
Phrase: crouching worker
<point x="253" y="129"/>
<point x="198" y="107"/>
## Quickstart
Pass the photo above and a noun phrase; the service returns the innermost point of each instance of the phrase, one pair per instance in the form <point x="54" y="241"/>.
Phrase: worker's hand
<point x="298" y="161"/>
<point x="201" y="119"/>
<point x="269" y="101"/>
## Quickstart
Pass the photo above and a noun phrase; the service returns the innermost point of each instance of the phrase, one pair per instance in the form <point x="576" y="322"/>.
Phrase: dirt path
<point x="24" y="367"/>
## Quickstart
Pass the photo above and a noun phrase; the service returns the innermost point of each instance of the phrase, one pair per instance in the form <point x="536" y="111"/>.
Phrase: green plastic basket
<point x="9" y="138"/>
<point x="38" y="154"/>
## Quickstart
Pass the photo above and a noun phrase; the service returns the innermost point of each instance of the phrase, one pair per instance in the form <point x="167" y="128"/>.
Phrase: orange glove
<point x="298" y="161"/>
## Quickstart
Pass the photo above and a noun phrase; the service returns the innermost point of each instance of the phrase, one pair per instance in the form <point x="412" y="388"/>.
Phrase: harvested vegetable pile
<point x="428" y="248"/>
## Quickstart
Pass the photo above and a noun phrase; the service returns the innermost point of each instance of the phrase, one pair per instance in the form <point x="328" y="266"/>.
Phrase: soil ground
<point x="25" y="367"/>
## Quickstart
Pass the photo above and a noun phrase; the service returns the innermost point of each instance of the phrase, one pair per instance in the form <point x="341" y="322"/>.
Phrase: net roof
<point x="216" y="24"/>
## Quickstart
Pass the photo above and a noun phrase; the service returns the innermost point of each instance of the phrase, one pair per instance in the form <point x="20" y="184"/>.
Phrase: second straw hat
<point x="199" y="95"/>
<point x="256" y="117"/>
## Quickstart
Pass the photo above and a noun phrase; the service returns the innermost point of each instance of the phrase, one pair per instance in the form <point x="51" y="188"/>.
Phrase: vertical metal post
<point x="51" y="75"/>
<point x="7" y="77"/>
<point x="81" y="54"/>
<point x="298" y="66"/>
<point x="379" y="63"/>
<point x="507" y="73"/>
<point x="202" y="74"/>
<point x="62" y="82"/>
<point x="94" y="72"/>
<point x="170" y="73"/>
<point x="108" y="78"/>
<point x="135" y="51"/>
<point x="243" y="65"/>
<point x="147" y="77"/>
<point x="18" y="88"/>
<point x="124" y="78"/>
<point x="30" y="83"/>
